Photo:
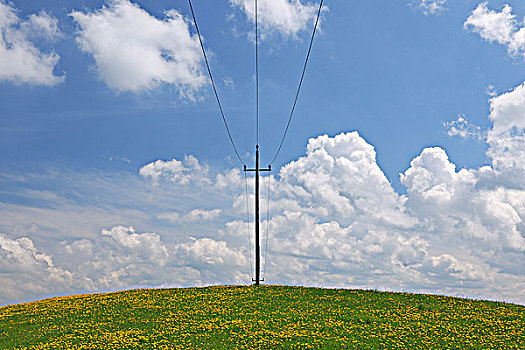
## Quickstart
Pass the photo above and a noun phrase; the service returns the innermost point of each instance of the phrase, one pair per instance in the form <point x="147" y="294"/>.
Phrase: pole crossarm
<point x="269" y="169"/>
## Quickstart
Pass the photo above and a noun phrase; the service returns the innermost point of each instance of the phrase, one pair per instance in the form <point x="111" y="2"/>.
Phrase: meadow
<point x="264" y="317"/>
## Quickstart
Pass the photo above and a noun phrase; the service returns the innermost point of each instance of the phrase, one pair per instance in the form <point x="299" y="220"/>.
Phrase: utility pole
<point x="257" y="169"/>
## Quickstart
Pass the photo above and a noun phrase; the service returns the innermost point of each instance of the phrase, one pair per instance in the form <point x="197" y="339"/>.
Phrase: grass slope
<point x="268" y="317"/>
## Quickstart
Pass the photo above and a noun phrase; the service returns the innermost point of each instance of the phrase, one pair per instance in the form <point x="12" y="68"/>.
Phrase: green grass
<point x="266" y="317"/>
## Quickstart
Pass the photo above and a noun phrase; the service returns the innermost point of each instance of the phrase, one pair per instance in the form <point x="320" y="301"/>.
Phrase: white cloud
<point x="27" y="273"/>
<point x="507" y="136"/>
<point x="341" y="179"/>
<point x="491" y="91"/>
<point x="42" y="25"/>
<point x="288" y="17"/>
<point x="196" y="215"/>
<point x="508" y="111"/>
<point x="145" y="245"/>
<point x="463" y="128"/>
<point x="127" y="59"/>
<point x="181" y="172"/>
<point x="433" y="179"/>
<point x="498" y="26"/>
<point x="210" y="253"/>
<point x="21" y="254"/>
<point x="464" y="206"/>
<point x="117" y="257"/>
<point x="431" y="7"/>
<point x="20" y="60"/>
<point x="122" y="257"/>
<point x="335" y="220"/>
<point x="228" y="82"/>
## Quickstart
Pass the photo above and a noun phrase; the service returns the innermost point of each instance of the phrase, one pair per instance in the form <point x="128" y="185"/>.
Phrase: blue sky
<point x="383" y="69"/>
<point x="80" y="136"/>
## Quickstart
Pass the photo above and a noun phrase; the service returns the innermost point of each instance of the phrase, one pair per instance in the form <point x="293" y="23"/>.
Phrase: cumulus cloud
<point x="485" y="204"/>
<point x="146" y="245"/>
<point x="334" y="220"/>
<point x="431" y="7"/>
<point x="116" y="257"/>
<point x="331" y="168"/>
<point x="463" y="128"/>
<point x="287" y="17"/>
<point x="24" y="268"/>
<point x="134" y="51"/>
<point x="20" y="59"/>
<point x="491" y="91"/>
<point x="507" y="135"/>
<point x="433" y="178"/>
<point x="181" y="172"/>
<point x="208" y="252"/>
<point x="42" y="25"/>
<point x="355" y="219"/>
<point x="196" y="215"/>
<point x="122" y="257"/>
<point x="498" y="26"/>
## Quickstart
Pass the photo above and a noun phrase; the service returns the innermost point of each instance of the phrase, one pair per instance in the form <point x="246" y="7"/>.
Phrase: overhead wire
<point x="257" y="113"/>
<point x="300" y="82"/>
<point x="213" y="84"/>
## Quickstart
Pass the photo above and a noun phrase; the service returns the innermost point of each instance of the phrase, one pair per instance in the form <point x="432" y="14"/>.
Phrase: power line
<point x="256" y="74"/>
<point x="300" y="82"/>
<point x="213" y="84"/>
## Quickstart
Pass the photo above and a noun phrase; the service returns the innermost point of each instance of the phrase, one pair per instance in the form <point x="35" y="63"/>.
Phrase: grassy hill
<point x="267" y="317"/>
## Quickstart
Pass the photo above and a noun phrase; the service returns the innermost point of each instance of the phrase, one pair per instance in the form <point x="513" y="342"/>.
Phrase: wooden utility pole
<point x="257" y="169"/>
